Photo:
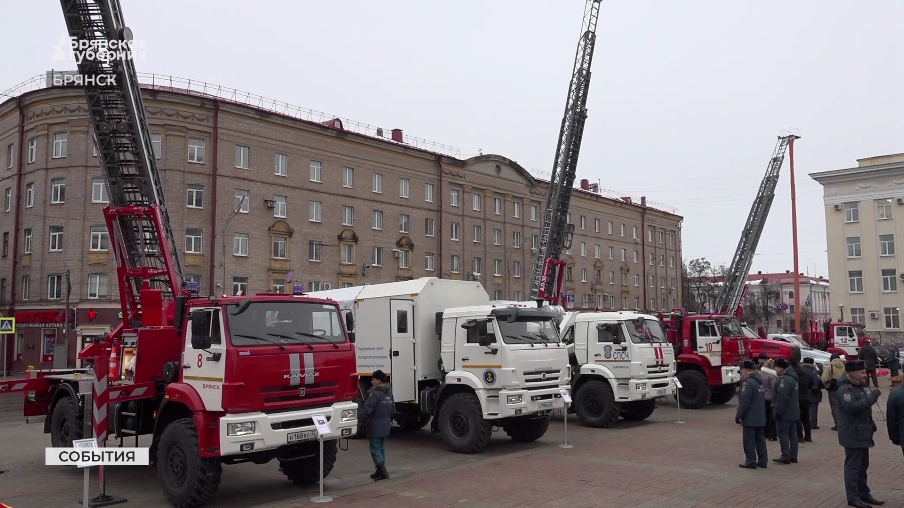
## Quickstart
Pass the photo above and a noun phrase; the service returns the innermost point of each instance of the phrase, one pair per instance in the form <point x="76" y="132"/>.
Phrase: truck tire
<point x="527" y="430"/>
<point x="412" y="422"/>
<point x="65" y="424"/>
<point x="188" y="479"/>
<point x="462" y="425"/>
<point x="639" y="410"/>
<point x="696" y="390"/>
<point x="595" y="404"/>
<point x="722" y="394"/>
<point x="306" y="471"/>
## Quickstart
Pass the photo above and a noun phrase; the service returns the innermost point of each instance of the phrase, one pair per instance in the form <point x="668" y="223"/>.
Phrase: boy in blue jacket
<point x="377" y="415"/>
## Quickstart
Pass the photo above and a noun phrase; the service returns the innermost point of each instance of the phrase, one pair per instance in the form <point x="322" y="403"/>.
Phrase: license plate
<point x="660" y="391"/>
<point x="305" y="435"/>
<point x="546" y="405"/>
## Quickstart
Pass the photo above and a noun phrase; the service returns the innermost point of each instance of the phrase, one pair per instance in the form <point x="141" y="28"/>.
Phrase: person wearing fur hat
<point x="377" y="415"/>
<point x="855" y="431"/>
<point x="752" y="414"/>
<point x="786" y="408"/>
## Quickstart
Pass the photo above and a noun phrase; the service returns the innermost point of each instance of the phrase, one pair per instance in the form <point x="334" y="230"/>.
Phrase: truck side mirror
<point x="351" y="337"/>
<point x="200" y="329"/>
<point x="349" y="321"/>
<point x="484" y="340"/>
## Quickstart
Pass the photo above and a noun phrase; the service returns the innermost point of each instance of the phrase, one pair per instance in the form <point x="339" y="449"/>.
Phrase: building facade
<point x="864" y="212"/>
<point x="259" y="201"/>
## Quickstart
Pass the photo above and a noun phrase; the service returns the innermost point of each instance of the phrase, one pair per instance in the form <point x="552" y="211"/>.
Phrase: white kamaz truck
<point x="621" y="363"/>
<point x="454" y="357"/>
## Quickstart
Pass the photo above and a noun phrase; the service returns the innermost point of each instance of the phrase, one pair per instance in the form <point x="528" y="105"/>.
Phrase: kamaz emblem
<point x="301" y="392"/>
<point x="607" y="351"/>
<point x="292" y="376"/>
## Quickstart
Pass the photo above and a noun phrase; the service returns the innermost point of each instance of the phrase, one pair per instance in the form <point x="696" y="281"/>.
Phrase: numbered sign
<point x="323" y="426"/>
<point x="566" y="395"/>
<point x="677" y="383"/>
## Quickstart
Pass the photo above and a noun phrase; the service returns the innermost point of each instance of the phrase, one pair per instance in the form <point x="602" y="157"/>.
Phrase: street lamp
<point x="228" y="220"/>
<point x="841" y="308"/>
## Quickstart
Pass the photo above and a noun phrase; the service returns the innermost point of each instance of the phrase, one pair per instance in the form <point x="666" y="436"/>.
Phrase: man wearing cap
<point x="855" y="431"/>
<point x="752" y="414"/>
<point x="786" y="409"/>
<point x="870" y="357"/>
<point x="830" y="377"/>
<point x="377" y="412"/>
<point x="894" y="416"/>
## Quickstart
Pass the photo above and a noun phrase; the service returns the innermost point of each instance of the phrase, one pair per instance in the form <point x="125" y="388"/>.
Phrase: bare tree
<point x="699" y="280"/>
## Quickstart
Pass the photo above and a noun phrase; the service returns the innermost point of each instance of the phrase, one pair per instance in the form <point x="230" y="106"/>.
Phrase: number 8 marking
<point x="199" y="360"/>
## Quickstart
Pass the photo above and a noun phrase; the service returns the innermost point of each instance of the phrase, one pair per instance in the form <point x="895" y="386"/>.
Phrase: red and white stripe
<point x="100" y="398"/>
<point x="660" y="355"/>
<point x="13" y="386"/>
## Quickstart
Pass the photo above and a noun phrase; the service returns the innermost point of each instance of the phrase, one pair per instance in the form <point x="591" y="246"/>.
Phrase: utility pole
<point x="61" y="357"/>
<point x="797" y="324"/>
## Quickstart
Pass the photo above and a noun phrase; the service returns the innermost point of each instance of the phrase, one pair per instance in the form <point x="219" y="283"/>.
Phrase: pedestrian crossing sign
<point x="7" y="325"/>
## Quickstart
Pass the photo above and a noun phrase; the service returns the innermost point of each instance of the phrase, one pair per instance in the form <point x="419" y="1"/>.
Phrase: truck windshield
<point x="730" y="327"/>
<point x="528" y="331"/>
<point x="645" y="331"/>
<point x="285" y="323"/>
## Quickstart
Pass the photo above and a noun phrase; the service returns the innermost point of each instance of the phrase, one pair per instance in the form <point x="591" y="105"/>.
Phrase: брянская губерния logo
<point x="102" y="50"/>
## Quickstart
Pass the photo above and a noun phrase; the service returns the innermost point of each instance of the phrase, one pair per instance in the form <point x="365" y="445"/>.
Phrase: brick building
<point x="255" y="195"/>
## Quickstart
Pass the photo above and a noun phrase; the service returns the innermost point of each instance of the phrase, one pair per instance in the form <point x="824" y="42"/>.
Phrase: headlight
<point x="513" y="399"/>
<point x="240" y="429"/>
<point x="349" y="415"/>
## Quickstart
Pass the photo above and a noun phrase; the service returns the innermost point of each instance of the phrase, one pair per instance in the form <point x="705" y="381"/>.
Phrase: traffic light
<point x="72" y="323"/>
<point x="91" y="315"/>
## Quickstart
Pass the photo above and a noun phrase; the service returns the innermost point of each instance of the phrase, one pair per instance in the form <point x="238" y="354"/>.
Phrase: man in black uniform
<point x="895" y="416"/>
<point x="786" y="409"/>
<point x="855" y="431"/>
<point x="752" y="413"/>
<point x="870" y="357"/>
<point x="804" y="386"/>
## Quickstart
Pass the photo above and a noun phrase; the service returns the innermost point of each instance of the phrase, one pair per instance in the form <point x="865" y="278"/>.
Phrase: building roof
<point x="785" y="277"/>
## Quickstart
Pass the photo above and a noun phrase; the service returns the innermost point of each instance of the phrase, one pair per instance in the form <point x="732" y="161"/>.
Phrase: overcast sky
<point x="686" y="100"/>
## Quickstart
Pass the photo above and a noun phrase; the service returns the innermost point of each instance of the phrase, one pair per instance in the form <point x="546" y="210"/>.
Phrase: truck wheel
<point x="696" y="390"/>
<point x="722" y="394"/>
<point x="595" y="404"/>
<point x="527" y="430"/>
<point x="306" y="471"/>
<point x="639" y="410"/>
<point x="413" y="422"/>
<point x="65" y="424"/>
<point x="188" y="479"/>
<point x="462" y="425"/>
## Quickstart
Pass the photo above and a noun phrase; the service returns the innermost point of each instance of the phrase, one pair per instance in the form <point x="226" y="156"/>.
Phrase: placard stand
<point x="678" y="398"/>
<point x="567" y="398"/>
<point x="323" y="427"/>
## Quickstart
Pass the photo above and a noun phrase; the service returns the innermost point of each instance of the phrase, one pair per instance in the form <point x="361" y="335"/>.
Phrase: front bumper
<point x="731" y="375"/>
<point x="629" y="390"/>
<point x="268" y="432"/>
<point x="531" y="401"/>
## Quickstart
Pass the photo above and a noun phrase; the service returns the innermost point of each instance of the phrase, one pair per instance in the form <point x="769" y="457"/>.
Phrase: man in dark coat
<point x="809" y="366"/>
<point x="894" y="416"/>
<point x="786" y="409"/>
<point x="855" y="431"/>
<point x="804" y="386"/>
<point x="752" y="414"/>
<point x="869" y="356"/>
<point x="377" y="414"/>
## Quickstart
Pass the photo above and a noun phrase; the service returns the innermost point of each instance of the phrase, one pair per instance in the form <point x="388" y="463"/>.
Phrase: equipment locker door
<point x="401" y="333"/>
<point x="204" y="370"/>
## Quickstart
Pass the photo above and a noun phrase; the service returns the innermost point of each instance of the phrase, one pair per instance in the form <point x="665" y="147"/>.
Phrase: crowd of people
<point x="779" y="401"/>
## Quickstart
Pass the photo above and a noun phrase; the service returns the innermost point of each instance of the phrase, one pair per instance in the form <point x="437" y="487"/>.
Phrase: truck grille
<point x="289" y="393"/>
<point x="656" y="370"/>
<point x="537" y="379"/>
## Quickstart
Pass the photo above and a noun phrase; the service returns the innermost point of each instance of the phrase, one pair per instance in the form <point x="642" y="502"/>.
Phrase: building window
<point x="497" y="294"/>
<point x="429" y="227"/>
<point x="60" y="142"/>
<point x="597" y="251"/>
<point x="611" y="277"/>
<point x="281" y="164"/>
<point x="634" y="232"/>
<point x="97" y="286"/>
<point x="315" y="250"/>
<point x="54" y="287"/>
<point x="279" y="247"/>
<point x="377" y="222"/>
<point x="314" y="285"/>
<point x="243" y="157"/>
<point x="596" y="225"/>
<point x="516" y="269"/>
<point x="652" y="281"/>
<point x="195" y="196"/>
<point x="497" y="267"/>
<point x="534" y="212"/>
<point x="348" y="177"/>
<point x="477" y="266"/>
<point x="242" y="200"/>
<point x="404" y="258"/>
<point x="892" y="319"/>
<point x="478" y="234"/>
<point x="239" y="286"/>
<point x="661" y="237"/>
<point x="56" y="238"/>
<point x="650" y="235"/>
<point x="671" y="237"/>
<point x="26" y="233"/>
<point x="583" y="222"/>
<point x="611" y="252"/>
<point x="852" y="211"/>
<point x="278" y="286"/>
<point x="404" y="220"/>
<point x="622" y="231"/>
<point x="497" y="237"/>
<point x="583" y="249"/>
<point x="455" y="231"/>
<point x="240" y="244"/>
<point x="196" y="150"/>
<point x="280" y="207"/>
<point x="404" y="187"/>
<point x="517" y="296"/>
<point x="8" y="199"/>
<point x="348" y="254"/>
<point x="671" y="261"/>
<point x="5" y="243"/>
<point x="456" y="194"/>
<point x="624" y="254"/>
<point x="516" y="205"/>
<point x="883" y="209"/>
<point x="535" y="242"/>
<point x="316" y="210"/>
<point x="652" y="259"/>
<point x="428" y="192"/>
<point x="99" y="191"/>
<point x="100" y="239"/>
<point x="26" y="288"/>
<point x="886" y="245"/>
<point x="662" y="260"/>
<point x="378" y="183"/>
<point x="29" y="195"/>
<point x="9" y="156"/>
<point x="636" y="280"/>
<point x="57" y="190"/>
<point x="855" y="281"/>
<point x="636" y="257"/>
<point x="858" y="315"/>
<point x="889" y="280"/>
<point x="568" y="218"/>
<point x="611" y="227"/>
<point x="583" y="275"/>
<point x="348" y="215"/>
<point x="192" y="241"/>
<point x="476" y="198"/>
<point x="516" y="239"/>
<point x="429" y="261"/>
<point x="456" y="264"/>
<point x="853" y="246"/>
<point x="377" y="256"/>
<point x="32" y="150"/>
<point x="316" y="167"/>
<point x="662" y="282"/>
